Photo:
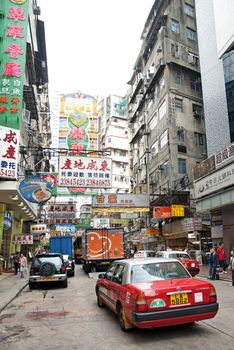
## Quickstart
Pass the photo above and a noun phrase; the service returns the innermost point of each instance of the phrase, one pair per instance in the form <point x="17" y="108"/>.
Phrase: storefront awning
<point x="10" y="196"/>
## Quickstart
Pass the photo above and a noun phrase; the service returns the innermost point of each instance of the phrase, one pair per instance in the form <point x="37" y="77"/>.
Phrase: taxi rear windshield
<point x="157" y="272"/>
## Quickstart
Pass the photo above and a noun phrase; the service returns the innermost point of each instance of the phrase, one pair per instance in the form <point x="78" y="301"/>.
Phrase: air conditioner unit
<point x="36" y="10"/>
<point x="197" y="113"/>
<point x="147" y="131"/>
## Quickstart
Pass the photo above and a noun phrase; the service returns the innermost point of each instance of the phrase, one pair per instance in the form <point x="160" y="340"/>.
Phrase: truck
<point x="78" y="249"/>
<point x="100" y="247"/>
<point x="61" y="244"/>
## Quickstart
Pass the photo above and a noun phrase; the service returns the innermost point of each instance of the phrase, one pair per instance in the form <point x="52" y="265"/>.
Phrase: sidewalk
<point x="223" y="277"/>
<point x="10" y="286"/>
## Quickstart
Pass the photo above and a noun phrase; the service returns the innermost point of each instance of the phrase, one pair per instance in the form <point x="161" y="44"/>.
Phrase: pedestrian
<point x="23" y="265"/>
<point x="231" y="266"/>
<point x="16" y="262"/>
<point x="222" y="257"/>
<point x="213" y="263"/>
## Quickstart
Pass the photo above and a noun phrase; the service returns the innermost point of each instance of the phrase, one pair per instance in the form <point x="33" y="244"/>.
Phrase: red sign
<point x="161" y="212"/>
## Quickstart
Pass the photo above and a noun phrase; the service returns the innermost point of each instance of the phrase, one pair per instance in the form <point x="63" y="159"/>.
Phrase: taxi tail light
<point x="141" y="303"/>
<point x="213" y="296"/>
<point x="63" y="269"/>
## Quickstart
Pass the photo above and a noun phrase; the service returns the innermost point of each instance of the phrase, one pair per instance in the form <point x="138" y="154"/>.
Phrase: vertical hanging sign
<point x="15" y="23"/>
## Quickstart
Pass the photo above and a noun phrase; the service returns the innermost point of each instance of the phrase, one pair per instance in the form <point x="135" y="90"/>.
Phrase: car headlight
<point x="193" y="265"/>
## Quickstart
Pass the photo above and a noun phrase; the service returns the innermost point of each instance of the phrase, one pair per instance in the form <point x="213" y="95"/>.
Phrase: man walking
<point x="16" y="262"/>
<point x="222" y="257"/>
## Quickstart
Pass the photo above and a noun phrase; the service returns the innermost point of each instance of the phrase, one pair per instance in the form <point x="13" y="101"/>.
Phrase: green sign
<point x="13" y="24"/>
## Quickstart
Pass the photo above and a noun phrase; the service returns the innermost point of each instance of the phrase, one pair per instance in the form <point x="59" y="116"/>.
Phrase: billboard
<point x="13" y="49"/>
<point x="9" y="152"/>
<point x="37" y="189"/>
<point x="121" y="200"/>
<point x="85" y="172"/>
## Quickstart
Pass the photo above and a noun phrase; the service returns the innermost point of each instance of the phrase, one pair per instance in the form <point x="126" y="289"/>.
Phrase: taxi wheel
<point x="122" y="319"/>
<point x="99" y="300"/>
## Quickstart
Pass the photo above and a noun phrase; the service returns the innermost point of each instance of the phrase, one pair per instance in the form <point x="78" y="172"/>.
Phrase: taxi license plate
<point x="179" y="299"/>
<point x="48" y="278"/>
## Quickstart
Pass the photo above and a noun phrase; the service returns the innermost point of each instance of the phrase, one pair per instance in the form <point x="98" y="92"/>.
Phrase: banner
<point x="9" y="152"/>
<point x="14" y="21"/>
<point x="85" y="172"/>
<point x="26" y="239"/>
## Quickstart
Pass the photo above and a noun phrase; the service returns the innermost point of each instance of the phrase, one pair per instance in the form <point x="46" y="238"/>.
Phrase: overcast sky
<point x="92" y="45"/>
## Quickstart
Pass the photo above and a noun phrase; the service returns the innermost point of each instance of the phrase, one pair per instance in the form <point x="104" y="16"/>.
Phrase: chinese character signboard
<point x="162" y="212"/>
<point x="9" y="151"/>
<point x="215" y="182"/>
<point x="26" y="239"/>
<point x="101" y="223"/>
<point x="61" y="211"/>
<point x="38" y="228"/>
<point x="15" y="24"/>
<point x="177" y="210"/>
<point x="78" y="124"/>
<point x="85" y="172"/>
<point x="120" y="200"/>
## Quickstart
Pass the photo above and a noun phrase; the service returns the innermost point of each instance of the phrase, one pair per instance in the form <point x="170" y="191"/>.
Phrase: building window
<point x="175" y="26"/>
<point x="161" y="83"/>
<point x="178" y="78"/>
<point x="178" y="105"/>
<point x="180" y="135"/>
<point x="195" y="85"/>
<point x="162" y="110"/>
<point x="153" y="122"/>
<point x="163" y="139"/>
<point x="191" y="34"/>
<point x="189" y="10"/>
<point x="165" y="169"/>
<point x="199" y="139"/>
<point x="154" y="148"/>
<point x="197" y="110"/>
<point x="182" y="166"/>
<point x="175" y="50"/>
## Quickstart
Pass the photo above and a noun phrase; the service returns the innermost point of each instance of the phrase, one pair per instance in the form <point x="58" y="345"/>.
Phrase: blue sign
<point x="36" y="189"/>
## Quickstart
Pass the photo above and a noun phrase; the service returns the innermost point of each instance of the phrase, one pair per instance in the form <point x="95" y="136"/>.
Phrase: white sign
<point x="61" y="211"/>
<point x="214" y="182"/>
<point x="225" y="156"/>
<point x="26" y="239"/>
<point x="9" y="152"/>
<point x="38" y="228"/>
<point x="85" y="172"/>
<point x="101" y="223"/>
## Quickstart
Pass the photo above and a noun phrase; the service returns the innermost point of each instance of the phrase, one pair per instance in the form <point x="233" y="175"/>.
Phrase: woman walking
<point x="23" y="265"/>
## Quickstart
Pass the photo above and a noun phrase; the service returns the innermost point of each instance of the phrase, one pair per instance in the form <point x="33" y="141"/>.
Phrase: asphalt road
<point x="68" y="318"/>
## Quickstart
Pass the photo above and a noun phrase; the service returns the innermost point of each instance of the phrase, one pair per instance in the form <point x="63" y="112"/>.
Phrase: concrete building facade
<point x="113" y="126"/>
<point x="214" y="180"/>
<point x="16" y="213"/>
<point x="165" y="107"/>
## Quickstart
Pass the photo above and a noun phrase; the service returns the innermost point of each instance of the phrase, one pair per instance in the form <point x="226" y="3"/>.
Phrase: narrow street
<point x="69" y="318"/>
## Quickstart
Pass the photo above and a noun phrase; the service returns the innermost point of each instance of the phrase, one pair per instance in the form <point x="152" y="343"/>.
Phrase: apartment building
<point x="165" y="107"/>
<point x="113" y="126"/>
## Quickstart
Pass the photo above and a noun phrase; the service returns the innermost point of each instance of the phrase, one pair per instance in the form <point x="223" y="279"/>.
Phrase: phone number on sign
<point x="7" y="172"/>
<point x="84" y="182"/>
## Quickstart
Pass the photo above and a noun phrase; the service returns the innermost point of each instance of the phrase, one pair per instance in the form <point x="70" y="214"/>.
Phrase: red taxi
<point x="155" y="292"/>
<point x="192" y="265"/>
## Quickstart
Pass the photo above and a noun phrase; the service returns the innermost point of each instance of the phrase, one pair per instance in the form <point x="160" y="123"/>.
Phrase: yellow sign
<point x="152" y="231"/>
<point x="177" y="210"/>
<point x="119" y="210"/>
